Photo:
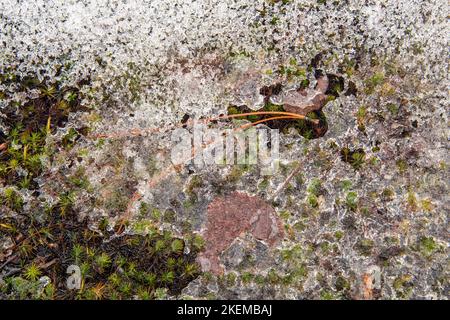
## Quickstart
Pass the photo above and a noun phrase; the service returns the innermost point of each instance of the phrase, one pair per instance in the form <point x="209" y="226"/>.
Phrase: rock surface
<point x="371" y="201"/>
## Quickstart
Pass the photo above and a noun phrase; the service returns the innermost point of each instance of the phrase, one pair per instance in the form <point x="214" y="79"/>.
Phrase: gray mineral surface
<point x="92" y="93"/>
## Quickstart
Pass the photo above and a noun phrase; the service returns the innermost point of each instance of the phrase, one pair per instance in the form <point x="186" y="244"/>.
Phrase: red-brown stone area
<point x="231" y="216"/>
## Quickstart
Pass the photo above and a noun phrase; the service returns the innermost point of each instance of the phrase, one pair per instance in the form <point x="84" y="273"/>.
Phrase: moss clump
<point x="315" y="187"/>
<point x="24" y="147"/>
<point x="335" y="86"/>
<point x="313" y="201"/>
<point x="402" y="165"/>
<point x="427" y="246"/>
<point x="327" y="295"/>
<point x="292" y="70"/>
<point x="314" y="190"/>
<point x="365" y="247"/>
<point x="393" y="109"/>
<point x="361" y="118"/>
<point x="11" y="199"/>
<point x="387" y="194"/>
<point x="346" y="185"/>
<point x="411" y="199"/>
<point x="263" y="184"/>
<point x="342" y="284"/>
<point x="196" y="182"/>
<point x="351" y="200"/>
<point x="373" y="82"/>
<point x="147" y="263"/>
<point x="236" y="173"/>
<point x="339" y="235"/>
<point x="427" y="205"/>
<point x="403" y="286"/>
<point x="355" y="158"/>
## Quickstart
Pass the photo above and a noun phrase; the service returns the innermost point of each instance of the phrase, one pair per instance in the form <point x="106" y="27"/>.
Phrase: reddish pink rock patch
<point x="233" y="215"/>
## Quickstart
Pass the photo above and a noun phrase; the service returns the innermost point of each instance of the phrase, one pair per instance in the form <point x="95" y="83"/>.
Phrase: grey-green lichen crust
<point x="372" y="194"/>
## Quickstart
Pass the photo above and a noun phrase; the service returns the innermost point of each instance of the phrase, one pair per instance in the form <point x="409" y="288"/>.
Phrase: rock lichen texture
<point x="91" y="92"/>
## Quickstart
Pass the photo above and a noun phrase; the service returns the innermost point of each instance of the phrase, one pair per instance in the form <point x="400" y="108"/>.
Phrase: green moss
<point x="273" y="107"/>
<point x="274" y="20"/>
<point x="195" y="182"/>
<point x="361" y="118"/>
<point x="168" y="217"/>
<point x="364" y="211"/>
<point x="342" y="284"/>
<point x="355" y="158"/>
<point x="235" y="174"/>
<point x="79" y="179"/>
<point x="147" y="262"/>
<point x="247" y="277"/>
<point x="315" y="187"/>
<point x="144" y="209"/>
<point x="188" y="204"/>
<point x="351" y="200"/>
<point x="346" y="185"/>
<point x="292" y="71"/>
<point x="197" y="242"/>
<point x="312" y="200"/>
<point x="411" y="199"/>
<point x="387" y="194"/>
<point x="177" y="246"/>
<point x="402" y="166"/>
<point x="285" y="215"/>
<point x="233" y="110"/>
<point x="339" y="235"/>
<point x="231" y="279"/>
<point x="393" y="108"/>
<point x="361" y="114"/>
<point x="11" y="199"/>
<point x="365" y="247"/>
<point x="374" y="81"/>
<point x="427" y="246"/>
<point x="24" y="289"/>
<point x="299" y="226"/>
<point x="32" y="272"/>
<point x="263" y="184"/>
<point x="102" y="261"/>
<point x="324" y="247"/>
<point x="403" y="286"/>
<point x="427" y="205"/>
<point x="327" y="295"/>
<point x="273" y="277"/>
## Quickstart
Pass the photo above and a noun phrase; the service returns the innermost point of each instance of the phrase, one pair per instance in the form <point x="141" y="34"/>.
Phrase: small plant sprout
<point x="32" y="272"/>
<point x="177" y="246"/>
<point x="103" y="261"/>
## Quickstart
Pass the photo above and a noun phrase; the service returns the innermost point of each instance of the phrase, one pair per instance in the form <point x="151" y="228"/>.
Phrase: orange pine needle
<point x="245" y="126"/>
<point x="257" y="113"/>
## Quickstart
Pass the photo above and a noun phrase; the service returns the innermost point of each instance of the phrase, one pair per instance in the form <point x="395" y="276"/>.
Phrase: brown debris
<point x="233" y="215"/>
<point x="307" y="100"/>
<point x="367" y="280"/>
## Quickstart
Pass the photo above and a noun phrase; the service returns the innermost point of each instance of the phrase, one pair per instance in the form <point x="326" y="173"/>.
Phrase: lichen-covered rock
<point x="90" y="92"/>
